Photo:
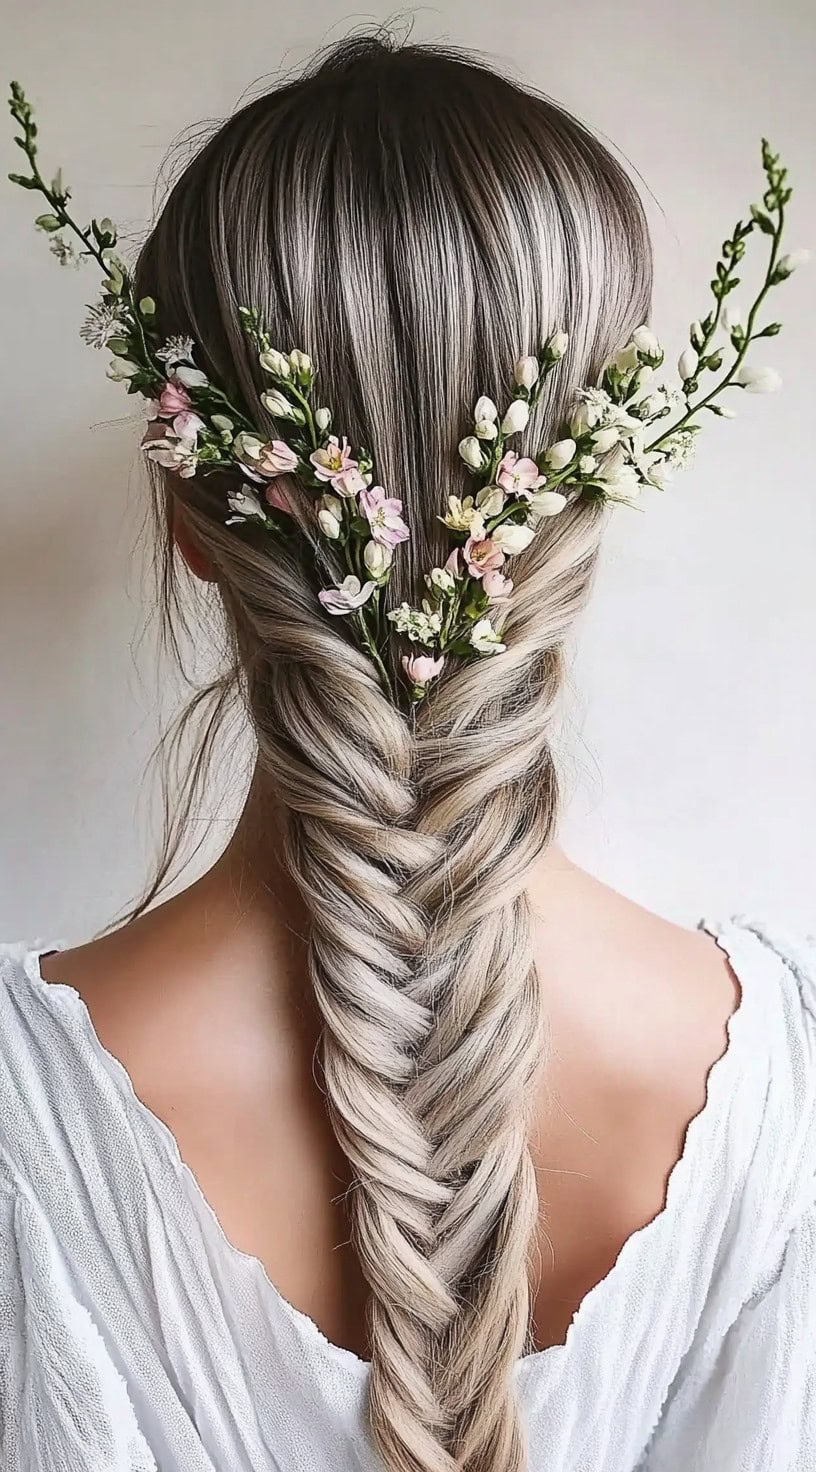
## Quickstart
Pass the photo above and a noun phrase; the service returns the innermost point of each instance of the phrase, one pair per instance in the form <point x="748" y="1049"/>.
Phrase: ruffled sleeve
<point x="63" y="1403"/>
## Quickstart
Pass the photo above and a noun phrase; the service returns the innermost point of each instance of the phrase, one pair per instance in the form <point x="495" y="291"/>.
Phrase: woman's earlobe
<point x="185" y="539"/>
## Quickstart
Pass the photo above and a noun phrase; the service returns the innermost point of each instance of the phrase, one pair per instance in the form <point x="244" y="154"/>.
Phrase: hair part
<point x="415" y="222"/>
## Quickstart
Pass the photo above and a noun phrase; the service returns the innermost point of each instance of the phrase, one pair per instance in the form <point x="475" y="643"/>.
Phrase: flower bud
<point x="605" y="439"/>
<point x="322" y="419"/>
<point x="646" y="342"/>
<point x="377" y="559"/>
<point x="696" y="335"/>
<point x="274" y="362"/>
<point x="790" y="262"/>
<point x="329" y="525"/>
<point x="441" y="579"/>
<point x="512" y="538"/>
<point x="301" y="365"/>
<point x="758" y="380"/>
<point x="490" y="501"/>
<point x="485" y="409"/>
<point x="687" y="363"/>
<point x="526" y="372"/>
<point x="557" y="346"/>
<point x="516" y="418"/>
<point x="559" y="455"/>
<point x="486" y="429"/>
<point x="471" y="452"/>
<point x="280" y="407"/>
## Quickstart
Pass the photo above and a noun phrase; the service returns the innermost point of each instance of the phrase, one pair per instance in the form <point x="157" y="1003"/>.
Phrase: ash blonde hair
<point x="415" y="222"/>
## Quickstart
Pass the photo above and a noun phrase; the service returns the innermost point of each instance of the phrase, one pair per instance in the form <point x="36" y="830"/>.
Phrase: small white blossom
<point x="557" y="345"/>
<point x="596" y="410"/>
<point x="176" y="350"/>
<point x="687" y="363"/>
<point x="512" y="538"/>
<point x="64" y="250"/>
<point x="440" y="580"/>
<point x="490" y="501"/>
<point x="587" y="464"/>
<point x="301" y="364"/>
<point x="792" y="261"/>
<point x="377" y="559"/>
<point x="102" y="322"/>
<point x="347" y="597"/>
<point x="463" y="517"/>
<point x="485" y="409"/>
<point x="758" y="380"/>
<point x="244" y="504"/>
<point x="526" y="371"/>
<point x="604" y="439"/>
<point x="190" y="377"/>
<point x="323" y="419"/>
<point x="516" y="418"/>
<point x="486" y="429"/>
<point x="471" y="452"/>
<point x="484" y="638"/>
<point x="646" y="342"/>
<point x="547" y="503"/>
<point x="275" y="362"/>
<point x="420" y="626"/>
<point x="559" y="455"/>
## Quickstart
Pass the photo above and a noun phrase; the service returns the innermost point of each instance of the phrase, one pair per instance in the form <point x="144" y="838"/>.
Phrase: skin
<point x="206" y="1002"/>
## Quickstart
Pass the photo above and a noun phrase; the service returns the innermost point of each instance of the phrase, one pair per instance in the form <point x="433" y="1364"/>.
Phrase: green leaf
<point x="762" y="220"/>
<point x="23" y="181"/>
<point x="147" y="306"/>
<point x="118" y="345"/>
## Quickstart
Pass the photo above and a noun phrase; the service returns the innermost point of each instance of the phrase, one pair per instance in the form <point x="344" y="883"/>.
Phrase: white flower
<point x="512" y="538"/>
<point x="301" y="364"/>
<point x="247" y="447"/>
<point x="587" y="464"/>
<point x="490" y="501"/>
<point x="758" y="380"/>
<point x="329" y="523"/>
<point x="420" y="626"/>
<point x="626" y="359"/>
<point x="443" y="581"/>
<point x="463" y="517"/>
<point x="731" y="316"/>
<point x="347" y="597"/>
<point x="486" y="429"/>
<point x="687" y="363"/>
<point x="604" y="439"/>
<point x="559" y="455"/>
<point x="176" y="349"/>
<point x="274" y="362"/>
<point x="64" y="250"/>
<point x="623" y="482"/>
<point x="377" y="559"/>
<point x="244" y="504"/>
<point x="471" y="452"/>
<point x="174" y="453"/>
<point x="323" y="419"/>
<point x="527" y="370"/>
<point x="484" y="638"/>
<point x="646" y="342"/>
<point x="596" y="410"/>
<point x="485" y="409"/>
<point x="190" y="377"/>
<point x="279" y="407"/>
<point x="557" y="345"/>
<point x="102" y="322"/>
<point x="516" y="418"/>
<point x="791" y="262"/>
<point x="547" y="503"/>
<point x="119" y="369"/>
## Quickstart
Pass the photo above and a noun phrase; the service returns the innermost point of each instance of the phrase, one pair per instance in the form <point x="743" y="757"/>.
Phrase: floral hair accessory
<point x="622" y="434"/>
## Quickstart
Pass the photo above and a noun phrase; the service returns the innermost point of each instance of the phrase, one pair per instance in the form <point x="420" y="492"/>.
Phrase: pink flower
<point x="482" y="556"/>
<point x="518" y="477"/>
<point x="276" y="458"/>
<point x="333" y="459"/>
<point x="348" y="596"/>
<point x="349" y="482"/>
<point x="187" y="425"/>
<point x="422" y="668"/>
<point x="278" y="498"/>
<point x="497" y="587"/>
<point x="173" y="399"/>
<point x="384" y="516"/>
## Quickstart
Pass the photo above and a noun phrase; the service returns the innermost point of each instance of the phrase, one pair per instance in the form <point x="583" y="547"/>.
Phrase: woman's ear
<point x="185" y="539"/>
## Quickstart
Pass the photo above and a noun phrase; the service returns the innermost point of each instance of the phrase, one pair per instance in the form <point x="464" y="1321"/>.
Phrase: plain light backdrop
<point x="689" y="751"/>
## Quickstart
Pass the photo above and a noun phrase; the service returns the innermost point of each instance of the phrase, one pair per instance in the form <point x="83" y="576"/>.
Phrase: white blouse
<point x="135" y="1338"/>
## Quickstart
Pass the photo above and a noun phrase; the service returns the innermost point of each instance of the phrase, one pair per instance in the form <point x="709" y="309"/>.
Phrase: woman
<point x="548" y="1199"/>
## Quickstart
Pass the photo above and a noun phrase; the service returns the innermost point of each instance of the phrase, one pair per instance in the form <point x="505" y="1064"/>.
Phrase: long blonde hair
<point x="415" y="222"/>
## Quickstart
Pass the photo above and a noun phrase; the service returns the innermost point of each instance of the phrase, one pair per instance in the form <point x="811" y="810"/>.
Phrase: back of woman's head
<point x="415" y="223"/>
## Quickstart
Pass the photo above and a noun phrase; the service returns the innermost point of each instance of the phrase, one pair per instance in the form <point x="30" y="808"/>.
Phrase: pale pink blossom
<point x="384" y="517"/>
<point x="173" y="399"/>
<point x="333" y="459"/>
<point x="422" y="668"/>
<point x="276" y="458"/>
<point x="188" y="425"/>
<point x="518" y="475"/>
<point x="482" y="556"/>
<point x="347" y="597"/>
<point x="453" y="565"/>
<point x="349" y="482"/>
<point x="497" y="587"/>
<point x="277" y="497"/>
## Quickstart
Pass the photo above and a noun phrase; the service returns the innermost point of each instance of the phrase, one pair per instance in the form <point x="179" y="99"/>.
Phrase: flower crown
<point x="625" y="433"/>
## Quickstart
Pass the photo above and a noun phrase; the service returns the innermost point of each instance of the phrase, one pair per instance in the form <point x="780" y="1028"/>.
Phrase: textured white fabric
<point x="134" y="1338"/>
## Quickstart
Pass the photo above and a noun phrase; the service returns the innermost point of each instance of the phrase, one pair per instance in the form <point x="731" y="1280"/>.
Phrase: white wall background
<point x="691" y="755"/>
